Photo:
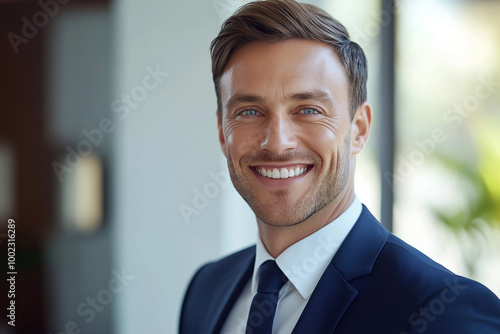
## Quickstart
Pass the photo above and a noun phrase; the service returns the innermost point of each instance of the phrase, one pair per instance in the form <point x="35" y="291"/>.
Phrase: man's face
<point x="286" y="128"/>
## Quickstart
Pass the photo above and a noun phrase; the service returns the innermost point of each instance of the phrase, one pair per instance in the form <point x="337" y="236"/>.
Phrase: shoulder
<point x="213" y="283"/>
<point x="226" y="264"/>
<point x="211" y="273"/>
<point x="404" y="260"/>
<point x="461" y="306"/>
<point x="403" y="266"/>
<point x="439" y="301"/>
<point x="403" y="289"/>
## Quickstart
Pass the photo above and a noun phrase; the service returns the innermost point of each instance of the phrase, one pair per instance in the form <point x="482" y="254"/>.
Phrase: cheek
<point x="321" y="140"/>
<point x="238" y="144"/>
<point x="329" y="145"/>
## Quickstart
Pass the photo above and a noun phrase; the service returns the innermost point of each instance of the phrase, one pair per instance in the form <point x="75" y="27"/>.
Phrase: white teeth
<point x="282" y="173"/>
<point x="276" y="173"/>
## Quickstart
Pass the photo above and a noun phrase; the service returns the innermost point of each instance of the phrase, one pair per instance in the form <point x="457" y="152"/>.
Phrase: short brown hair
<point x="278" y="20"/>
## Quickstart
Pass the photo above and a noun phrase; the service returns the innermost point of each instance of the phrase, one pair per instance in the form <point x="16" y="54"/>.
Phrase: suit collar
<point x="228" y="291"/>
<point x="357" y="254"/>
<point x="334" y="293"/>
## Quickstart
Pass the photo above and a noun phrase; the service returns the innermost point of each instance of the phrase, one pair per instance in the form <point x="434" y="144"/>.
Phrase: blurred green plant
<point x="473" y="222"/>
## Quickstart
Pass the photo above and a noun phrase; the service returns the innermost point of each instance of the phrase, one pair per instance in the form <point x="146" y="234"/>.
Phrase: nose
<point x="278" y="135"/>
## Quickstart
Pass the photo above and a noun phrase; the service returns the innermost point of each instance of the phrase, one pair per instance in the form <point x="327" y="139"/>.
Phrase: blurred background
<point x="111" y="168"/>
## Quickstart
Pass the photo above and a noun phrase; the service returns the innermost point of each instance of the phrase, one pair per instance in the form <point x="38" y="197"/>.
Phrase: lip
<point x="273" y="183"/>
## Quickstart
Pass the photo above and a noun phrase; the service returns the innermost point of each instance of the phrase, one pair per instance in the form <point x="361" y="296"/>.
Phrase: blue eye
<point x="250" y="112"/>
<point x="309" y="111"/>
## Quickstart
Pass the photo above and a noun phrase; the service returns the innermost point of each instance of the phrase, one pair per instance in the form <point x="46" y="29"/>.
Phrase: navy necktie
<point x="261" y="316"/>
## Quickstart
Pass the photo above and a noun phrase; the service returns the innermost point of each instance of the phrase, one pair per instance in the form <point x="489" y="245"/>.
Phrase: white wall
<point x="164" y="149"/>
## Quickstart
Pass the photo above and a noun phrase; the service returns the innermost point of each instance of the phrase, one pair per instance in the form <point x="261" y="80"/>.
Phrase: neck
<point x="278" y="238"/>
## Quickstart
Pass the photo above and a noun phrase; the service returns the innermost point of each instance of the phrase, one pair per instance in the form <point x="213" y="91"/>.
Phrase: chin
<point x="283" y="219"/>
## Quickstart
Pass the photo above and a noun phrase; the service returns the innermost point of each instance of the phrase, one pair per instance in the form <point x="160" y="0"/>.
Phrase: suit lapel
<point x="330" y="299"/>
<point x="334" y="293"/>
<point x="228" y="291"/>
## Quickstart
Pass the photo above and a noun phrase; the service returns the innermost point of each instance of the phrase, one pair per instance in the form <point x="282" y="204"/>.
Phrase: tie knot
<point x="271" y="278"/>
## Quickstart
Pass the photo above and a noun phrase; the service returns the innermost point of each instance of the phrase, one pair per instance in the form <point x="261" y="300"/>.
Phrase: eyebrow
<point x="301" y="96"/>
<point x="313" y="95"/>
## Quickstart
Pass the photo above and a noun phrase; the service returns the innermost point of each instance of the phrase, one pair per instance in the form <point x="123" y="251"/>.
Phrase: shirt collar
<point x="305" y="261"/>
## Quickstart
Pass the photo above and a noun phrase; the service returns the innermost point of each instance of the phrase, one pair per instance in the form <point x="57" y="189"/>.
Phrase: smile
<point x="282" y="173"/>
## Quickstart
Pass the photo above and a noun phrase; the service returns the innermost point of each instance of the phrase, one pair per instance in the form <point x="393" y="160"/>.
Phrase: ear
<point x="222" y="141"/>
<point x="360" y="127"/>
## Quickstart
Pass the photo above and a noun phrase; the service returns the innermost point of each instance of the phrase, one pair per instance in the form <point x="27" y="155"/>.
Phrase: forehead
<point x="274" y="70"/>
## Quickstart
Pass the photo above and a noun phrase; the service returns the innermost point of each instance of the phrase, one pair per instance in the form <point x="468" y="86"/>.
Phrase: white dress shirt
<point x="303" y="263"/>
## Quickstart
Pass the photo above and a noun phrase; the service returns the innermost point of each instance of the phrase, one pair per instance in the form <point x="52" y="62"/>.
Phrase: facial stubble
<point x="323" y="191"/>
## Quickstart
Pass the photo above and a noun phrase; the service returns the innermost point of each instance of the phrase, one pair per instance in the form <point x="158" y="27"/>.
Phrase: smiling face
<point x="286" y="129"/>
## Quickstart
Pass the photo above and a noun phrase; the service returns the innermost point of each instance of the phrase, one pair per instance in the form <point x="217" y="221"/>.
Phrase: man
<point x="292" y="115"/>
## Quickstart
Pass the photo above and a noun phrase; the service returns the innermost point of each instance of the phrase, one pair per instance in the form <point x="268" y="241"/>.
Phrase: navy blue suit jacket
<point x="375" y="284"/>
